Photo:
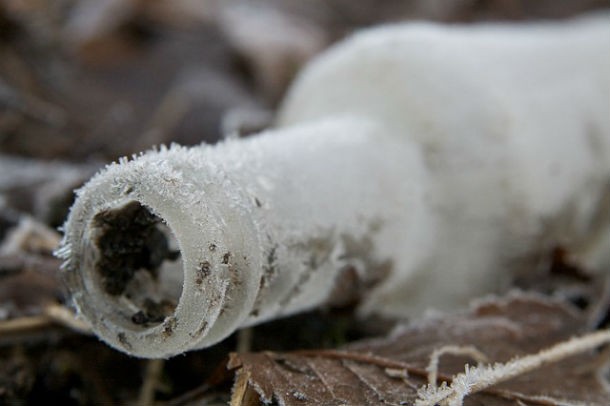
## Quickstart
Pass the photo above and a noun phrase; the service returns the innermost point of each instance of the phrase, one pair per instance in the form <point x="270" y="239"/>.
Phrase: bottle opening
<point x="137" y="263"/>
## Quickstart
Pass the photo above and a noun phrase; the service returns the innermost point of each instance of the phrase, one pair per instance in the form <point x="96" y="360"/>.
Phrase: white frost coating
<point x="514" y="125"/>
<point x="264" y="226"/>
<point x="424" y="159"/>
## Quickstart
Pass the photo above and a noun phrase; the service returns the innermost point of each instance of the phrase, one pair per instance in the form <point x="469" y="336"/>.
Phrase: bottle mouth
<point x="136" y="264"/>
<point x="156" y="274"/>
<point x="131" y="274"/>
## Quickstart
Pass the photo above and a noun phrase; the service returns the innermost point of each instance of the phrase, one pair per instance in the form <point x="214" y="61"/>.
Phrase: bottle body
<point x="513" y="122"/>
<point x="411" y="167"/>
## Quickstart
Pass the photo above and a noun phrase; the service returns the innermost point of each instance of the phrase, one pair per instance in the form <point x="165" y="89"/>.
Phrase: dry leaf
<point x="391" y="370"/>
<point x="28" y="282"/>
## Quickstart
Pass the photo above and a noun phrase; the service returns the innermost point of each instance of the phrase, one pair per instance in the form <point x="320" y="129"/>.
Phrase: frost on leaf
<point x="394" y="370"/>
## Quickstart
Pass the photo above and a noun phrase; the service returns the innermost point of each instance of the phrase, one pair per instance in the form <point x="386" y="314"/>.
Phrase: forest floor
<point x="83" y="83"/>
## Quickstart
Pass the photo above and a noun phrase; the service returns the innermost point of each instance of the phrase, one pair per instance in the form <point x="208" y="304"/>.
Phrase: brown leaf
<point x="391" y="370"/>
<point x="28" y="283"/>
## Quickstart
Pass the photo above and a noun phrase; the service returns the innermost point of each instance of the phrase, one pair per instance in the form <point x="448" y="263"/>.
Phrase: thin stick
<point x="65" y="317"/>
<point x="154" y="369"/>
<point x="244" y="340"/>
<point x="475" y="380"/>
<point x="470" y="351"/>
<point x="52" y="315"/>
<point x="22" y="324"/>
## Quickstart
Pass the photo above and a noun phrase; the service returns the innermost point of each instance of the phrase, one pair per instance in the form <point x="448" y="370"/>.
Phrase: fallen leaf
<point x="391" y="370"/>
<point x="28" y="283"/>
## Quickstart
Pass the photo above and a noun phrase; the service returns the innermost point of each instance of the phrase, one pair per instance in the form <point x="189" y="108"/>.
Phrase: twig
<point x="22" y="324"/>
<point x="432" y="367"/>
<point x="244" y="340"/>
<point x="65" y="317"/>
<point x="475" y="380"/>
<point x="154" y="369"/>
<point x="52" y="315"/>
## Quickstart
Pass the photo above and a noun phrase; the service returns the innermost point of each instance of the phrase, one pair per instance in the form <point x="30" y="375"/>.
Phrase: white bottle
<point x="412" y="165"/>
